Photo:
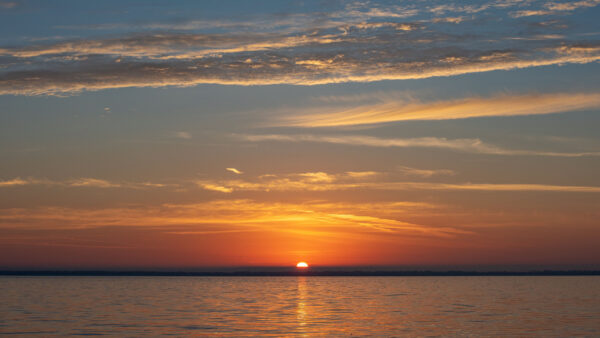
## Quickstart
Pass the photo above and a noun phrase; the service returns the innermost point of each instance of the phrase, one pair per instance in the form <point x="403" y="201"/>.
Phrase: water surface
<point x="300" y="306"/>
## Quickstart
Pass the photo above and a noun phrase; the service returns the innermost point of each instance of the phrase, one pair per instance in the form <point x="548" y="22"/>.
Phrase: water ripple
<point x="300" y="306"/>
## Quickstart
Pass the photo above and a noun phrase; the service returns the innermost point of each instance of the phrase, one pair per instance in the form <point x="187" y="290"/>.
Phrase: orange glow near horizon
<point x="268" y="233"/>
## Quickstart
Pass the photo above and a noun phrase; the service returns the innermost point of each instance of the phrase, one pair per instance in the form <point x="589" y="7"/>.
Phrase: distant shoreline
<point x="294" y="273"/>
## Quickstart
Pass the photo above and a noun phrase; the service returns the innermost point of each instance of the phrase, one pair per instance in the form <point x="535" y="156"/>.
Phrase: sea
<point x="301" y="306"/>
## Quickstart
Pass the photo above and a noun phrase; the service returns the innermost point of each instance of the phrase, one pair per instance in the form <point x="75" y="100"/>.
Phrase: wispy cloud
<point x="530" y="12"/>
<point x="85" y="182"/>
<point x="456" y="20"/>
<point x="361" y="174"/>
<point x="359" y="43"/>
<point x="464" y="145"/>
<point x="13" y="182"/>
<point x="234" y="170"/>
<point x="394" y="110"/>
<point x="312" y="181"/>
<point x="320" y="181"/>
<point x="504" y="187"/>
<point x="553" y="8"/>
<point x="241" y="215"/>
<point x="571" y="5"/>
<point x="425" y="172"/>
<point x="214" y="187"/>
<point x="92" y="182"/>
<point x="184" y="135"/>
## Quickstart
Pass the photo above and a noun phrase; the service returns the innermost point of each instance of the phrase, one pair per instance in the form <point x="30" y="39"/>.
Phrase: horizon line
<point x="293" y="272"/>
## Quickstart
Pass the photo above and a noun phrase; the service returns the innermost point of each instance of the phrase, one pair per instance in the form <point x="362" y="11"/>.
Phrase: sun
<point x="302" y="265"/>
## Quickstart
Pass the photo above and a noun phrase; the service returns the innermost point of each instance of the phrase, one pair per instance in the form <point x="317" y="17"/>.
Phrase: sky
<point x="189" y="134"/>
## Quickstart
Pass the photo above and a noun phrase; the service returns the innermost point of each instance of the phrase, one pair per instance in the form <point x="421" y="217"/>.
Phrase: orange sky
<point x="198" y="134"/>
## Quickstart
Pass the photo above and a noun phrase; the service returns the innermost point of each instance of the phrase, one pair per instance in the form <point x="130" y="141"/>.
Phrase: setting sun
<point x="302" y="265"/>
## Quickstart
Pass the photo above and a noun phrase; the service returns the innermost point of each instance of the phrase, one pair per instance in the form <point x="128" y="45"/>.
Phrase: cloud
<point x="505" y="187"/>
<point x="320" y="177"/>
<point x="311" y="181"/>
<point x="400" y="26"/>
<point x="184" y="135"/>
<point x="14" y="182"/>
<point x="465" y="145"/>
<point x="571" y="5"/>
<point x="234" y="170"/>
<point x="553" y="8"/>
<point x="393" y="110"/>
<point x="365" y="10"/>
<point x="167" y="46"/>
<point x="84" y="182"/>
<point x="214" y="187"/>
<point x="320" y="181"/>
<point x="314" y="68"/>
<point x="359" y="43"/>
<point x="456" y="20"/>
<point x="425" y="172"/>
<point x="317" y="218"/>
<point x="527" y="13"/>
<point x="361" y="174"/>
<point x="93" y="182"/>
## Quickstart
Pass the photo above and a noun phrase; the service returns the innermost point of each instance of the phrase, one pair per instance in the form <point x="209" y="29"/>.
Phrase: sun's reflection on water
<point x="301" y="316"/>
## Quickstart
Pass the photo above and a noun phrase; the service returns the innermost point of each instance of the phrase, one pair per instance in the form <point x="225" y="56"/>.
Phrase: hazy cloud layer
<point x="360" y="42"/>
<point x="220" y="216"/>
<point x="464" y="145"/>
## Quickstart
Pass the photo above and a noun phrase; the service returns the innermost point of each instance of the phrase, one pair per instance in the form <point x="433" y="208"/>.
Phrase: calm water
<point x="300" y="306"/>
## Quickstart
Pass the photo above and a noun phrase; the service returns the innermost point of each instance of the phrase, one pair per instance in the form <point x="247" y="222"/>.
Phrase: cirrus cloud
<point x="393" y="110"/>
<point x="360" y="43"/>
<point x="464" y="145"/>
